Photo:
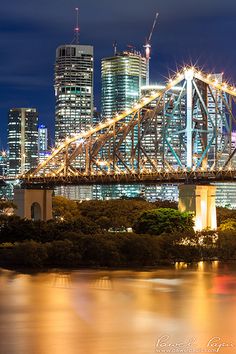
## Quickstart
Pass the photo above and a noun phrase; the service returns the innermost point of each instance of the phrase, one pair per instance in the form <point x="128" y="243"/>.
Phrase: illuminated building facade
<point x="42" y="138"/>
<point x="73" y="90"/>
<point x="22" y="140"/>
<point x="43" y="152"/>
<point x="3" y="163"/>
<point x="122" y="78"/>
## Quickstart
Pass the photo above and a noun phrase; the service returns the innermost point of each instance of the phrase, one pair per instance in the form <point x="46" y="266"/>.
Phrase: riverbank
<point x="125" y="250"/>
<point x="79" y="237"/>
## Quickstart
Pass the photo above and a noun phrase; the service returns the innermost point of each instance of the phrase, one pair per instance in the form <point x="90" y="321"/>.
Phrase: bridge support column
<point x="34" y="204"/>
<point x="201" y="201"/>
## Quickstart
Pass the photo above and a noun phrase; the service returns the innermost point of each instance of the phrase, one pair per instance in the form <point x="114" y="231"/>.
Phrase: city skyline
<point x="28" y="80"/>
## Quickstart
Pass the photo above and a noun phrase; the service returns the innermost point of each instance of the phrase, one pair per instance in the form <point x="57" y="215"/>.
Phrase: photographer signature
<point x="213" y="345"/>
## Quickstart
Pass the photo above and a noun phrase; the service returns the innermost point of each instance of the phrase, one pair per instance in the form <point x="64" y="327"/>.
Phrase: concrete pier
<point x="201" y="201"/>
<point x="34" y="204"/>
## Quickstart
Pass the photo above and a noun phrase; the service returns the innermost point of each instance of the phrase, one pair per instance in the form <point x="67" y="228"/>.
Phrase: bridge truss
<point x="178" y="133"/>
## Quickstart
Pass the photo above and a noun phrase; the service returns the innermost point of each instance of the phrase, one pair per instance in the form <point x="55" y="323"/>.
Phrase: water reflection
<point x="62" y="280"/>
<point x="116" y="311"/>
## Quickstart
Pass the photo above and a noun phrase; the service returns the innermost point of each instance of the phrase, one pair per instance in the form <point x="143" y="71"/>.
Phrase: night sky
<point x="188" y="31"/>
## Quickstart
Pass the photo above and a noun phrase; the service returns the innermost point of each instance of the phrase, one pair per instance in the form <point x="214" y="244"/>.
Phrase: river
<point x="187" y="307"/>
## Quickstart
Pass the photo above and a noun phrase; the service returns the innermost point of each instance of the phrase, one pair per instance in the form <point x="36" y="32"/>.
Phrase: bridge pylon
<point x="33" y="204"/>
<point x="199" y="199"/>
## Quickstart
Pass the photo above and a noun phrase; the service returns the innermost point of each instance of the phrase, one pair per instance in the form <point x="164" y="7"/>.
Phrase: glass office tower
<point x="122" y="78"/>
<point x="123" y="75"/>
<point x="22" y="140"/>
<point x="73" y="90"/>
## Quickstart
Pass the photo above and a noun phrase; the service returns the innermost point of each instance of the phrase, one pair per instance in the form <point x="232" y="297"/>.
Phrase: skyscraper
<point x="42" y="138"/>
<point x="122" y="77"/>
<point x="73" y="89"/>
<point x="43" y="152"/>
<point x="3" y="163"/>
<point x="22" y="140"/>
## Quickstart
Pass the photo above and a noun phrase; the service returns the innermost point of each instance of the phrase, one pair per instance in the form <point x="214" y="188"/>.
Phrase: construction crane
<point x="148" y="46"/>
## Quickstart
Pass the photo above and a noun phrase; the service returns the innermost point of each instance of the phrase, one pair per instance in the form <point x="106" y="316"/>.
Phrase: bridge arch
<point x="36" y="212"/>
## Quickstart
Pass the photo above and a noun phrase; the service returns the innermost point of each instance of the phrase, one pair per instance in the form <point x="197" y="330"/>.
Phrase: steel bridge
<point x="181" y="133"/>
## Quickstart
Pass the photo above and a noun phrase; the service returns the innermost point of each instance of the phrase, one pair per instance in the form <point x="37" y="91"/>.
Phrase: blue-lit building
<point x="122" y="78"/>
<point x="43" y="151"/>
<point x="22" y="140"/>
<point x="42" y="138"/>
<point x="123" y="75"/>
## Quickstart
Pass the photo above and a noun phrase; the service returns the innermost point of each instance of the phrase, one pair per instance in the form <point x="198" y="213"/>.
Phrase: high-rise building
<point x="42" y="138"/>
<point x="96" y="116"/>
<point x="122" y="77"/>
<point x="73" y="90"/>
<point x="22" y="140"/>
<point x="43" y="151"/>
<point x="3" y="163"/>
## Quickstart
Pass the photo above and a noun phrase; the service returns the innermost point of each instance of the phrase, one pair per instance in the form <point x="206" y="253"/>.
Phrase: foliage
<point x="224" y="214"/>
<point x="117" y="213"/>
<point x="30" y="254"/>
<point x="118" y="250"/>
<point x="228" y="224"/>
<point x="80" y="238"/>
<point x="64" y="209"/>
<point x="158" y="221"/>
<point x="226" y="245"/>
<point x="6" y="206"/>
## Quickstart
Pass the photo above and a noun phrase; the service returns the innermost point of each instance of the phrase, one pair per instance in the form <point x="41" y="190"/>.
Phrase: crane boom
<point x="148" y="46"/>
<point x="153" y="27"/>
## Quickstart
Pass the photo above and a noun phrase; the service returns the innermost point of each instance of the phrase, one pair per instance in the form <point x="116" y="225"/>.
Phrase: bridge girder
<point x="168" y="134"/>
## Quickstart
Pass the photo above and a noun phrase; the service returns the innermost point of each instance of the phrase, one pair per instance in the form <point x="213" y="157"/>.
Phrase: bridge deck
<point x="194" y="177"/>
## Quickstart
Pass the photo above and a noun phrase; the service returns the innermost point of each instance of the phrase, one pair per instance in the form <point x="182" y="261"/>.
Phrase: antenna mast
<point x="77" y="29"/>
<point x="148" y="46"/>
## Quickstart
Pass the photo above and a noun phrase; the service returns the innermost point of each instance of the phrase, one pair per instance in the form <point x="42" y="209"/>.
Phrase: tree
<point x="228" y="224"/>
<point x="64" y="209"/>
<point x="225" y="213"/>
<point x="7" y="207"/>
<point x="166" y="220"/>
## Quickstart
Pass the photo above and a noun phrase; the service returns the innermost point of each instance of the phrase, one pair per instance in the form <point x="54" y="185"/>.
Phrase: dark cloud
<point x="188" y="30"/>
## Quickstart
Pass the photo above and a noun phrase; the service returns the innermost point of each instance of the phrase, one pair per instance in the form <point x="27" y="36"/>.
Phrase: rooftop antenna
<point x="77" y="29"/>
<point x="148" y="47"/>
<point x="115" y="47"/>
